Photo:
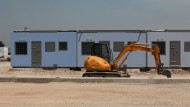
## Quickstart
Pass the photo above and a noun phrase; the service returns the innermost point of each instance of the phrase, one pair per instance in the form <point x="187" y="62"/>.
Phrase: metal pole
<point x="146" y="52"/>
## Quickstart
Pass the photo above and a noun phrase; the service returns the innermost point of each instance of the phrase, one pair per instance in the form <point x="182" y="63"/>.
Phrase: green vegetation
<point x="2" y="44"/>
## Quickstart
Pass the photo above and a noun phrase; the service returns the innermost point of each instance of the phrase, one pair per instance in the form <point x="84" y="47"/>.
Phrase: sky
<point x="92" y="15"/>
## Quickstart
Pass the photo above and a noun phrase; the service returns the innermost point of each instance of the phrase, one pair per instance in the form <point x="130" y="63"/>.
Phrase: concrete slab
<point x="94" y="80"/>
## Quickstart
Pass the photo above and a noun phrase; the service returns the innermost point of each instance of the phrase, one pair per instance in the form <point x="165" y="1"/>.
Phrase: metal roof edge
<point x="169" y="30"/>
<point x="102" y="31"/>
<point x="110" y="31"/>
<point x="177" y="30"/>
<point x="46" y="31"/>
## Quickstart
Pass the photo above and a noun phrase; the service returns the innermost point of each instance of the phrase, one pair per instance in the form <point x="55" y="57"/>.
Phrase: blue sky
<point x="92" y="14"/>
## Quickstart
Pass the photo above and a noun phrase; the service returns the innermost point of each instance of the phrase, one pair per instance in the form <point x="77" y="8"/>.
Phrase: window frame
<point x="116" y="49"/>
<point x="47" y="49"/>
<point x="185" y="46"/>
<point x="88" y="52"/>
<point x="26" y="50"/>
<point x="161" y="47"/>
<point x="105" y="42"/>
<point x="65" y="47"/>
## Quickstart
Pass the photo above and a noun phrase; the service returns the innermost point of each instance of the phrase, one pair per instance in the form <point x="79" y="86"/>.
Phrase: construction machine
<point x="98" y="64"/>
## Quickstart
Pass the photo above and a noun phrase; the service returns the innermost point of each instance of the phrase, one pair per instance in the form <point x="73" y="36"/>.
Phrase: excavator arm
<point x="138" y="47"/>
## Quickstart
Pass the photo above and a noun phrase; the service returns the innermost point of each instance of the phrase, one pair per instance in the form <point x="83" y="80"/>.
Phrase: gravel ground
<point x="93" y="95"/>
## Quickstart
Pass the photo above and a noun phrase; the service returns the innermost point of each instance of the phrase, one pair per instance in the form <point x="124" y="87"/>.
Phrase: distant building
<point x="70" y="48"/>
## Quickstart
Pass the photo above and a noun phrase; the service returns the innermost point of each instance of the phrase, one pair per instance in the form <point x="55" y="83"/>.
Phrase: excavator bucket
<point x="167" y="73"/>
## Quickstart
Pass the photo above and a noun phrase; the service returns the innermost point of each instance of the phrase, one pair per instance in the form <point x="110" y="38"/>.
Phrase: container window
<point x="86" y="48"/>
<point x="50" y="46"/>
<point x="187" y="46"/>
<point x="62" y="46"/>
<point x="162" y="46"/>
<point x="21" y="48"/>
<point x="105" y="42"/>
<point x="118" y="46"/>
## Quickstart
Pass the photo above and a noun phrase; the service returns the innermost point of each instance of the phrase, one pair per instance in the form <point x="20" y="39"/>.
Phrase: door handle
<point x="173" y="61"/>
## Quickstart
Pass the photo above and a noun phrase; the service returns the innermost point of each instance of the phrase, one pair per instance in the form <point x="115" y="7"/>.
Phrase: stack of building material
<point x="4" y="52"/>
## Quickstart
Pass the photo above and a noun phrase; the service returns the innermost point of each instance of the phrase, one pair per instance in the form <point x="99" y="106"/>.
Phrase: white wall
<point x="135" y="59"/>
<point x="167" y="37"/>
<point x="61" y="58"/>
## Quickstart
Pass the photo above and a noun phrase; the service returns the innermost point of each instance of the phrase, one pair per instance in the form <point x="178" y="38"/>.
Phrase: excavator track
<point x="105" y="74"/>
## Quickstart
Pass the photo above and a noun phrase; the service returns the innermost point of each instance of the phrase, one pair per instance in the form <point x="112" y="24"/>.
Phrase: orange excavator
<point x="98" y="64"/>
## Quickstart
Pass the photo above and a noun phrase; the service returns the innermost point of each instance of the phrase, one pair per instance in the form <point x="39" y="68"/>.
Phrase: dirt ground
<point x="93" y="95"/>
<point x="90" y="94"/>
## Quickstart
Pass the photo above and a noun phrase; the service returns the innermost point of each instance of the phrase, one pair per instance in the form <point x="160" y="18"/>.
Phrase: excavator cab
<point x="101" y="50"/>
